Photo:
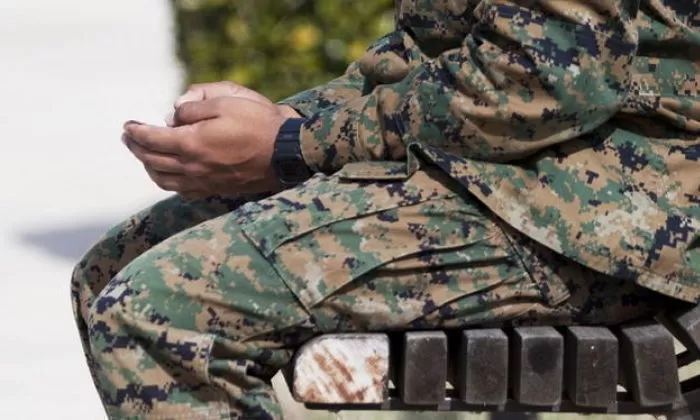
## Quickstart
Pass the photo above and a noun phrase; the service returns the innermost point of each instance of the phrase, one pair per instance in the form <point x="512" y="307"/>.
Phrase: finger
<point x="171" y="182"/>
<point x="194" y="112"/>
<point x="194" y="93"/>
<point x="158" y="161"/>
<point x="203" y="91"/>
<point x="168" y="140"/>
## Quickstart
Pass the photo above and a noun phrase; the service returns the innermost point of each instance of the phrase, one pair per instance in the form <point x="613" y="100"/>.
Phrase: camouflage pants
<point x="187" y="309"/>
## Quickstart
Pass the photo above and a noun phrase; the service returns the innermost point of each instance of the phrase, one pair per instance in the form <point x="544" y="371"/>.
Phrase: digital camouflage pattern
<point x="187" y="309"/>
<point x="576" y="122"/>
<point x="530" y="116"/>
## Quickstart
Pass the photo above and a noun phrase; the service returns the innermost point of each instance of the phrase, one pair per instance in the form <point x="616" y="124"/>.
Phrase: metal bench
<point x="630" y="369"/>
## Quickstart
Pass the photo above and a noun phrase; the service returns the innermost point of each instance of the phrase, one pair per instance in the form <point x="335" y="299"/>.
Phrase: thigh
<point x="199" y="321"/>
<point x="598" y="299"/>
<point x="389" y="253"/>
<point x="129" y="239"/>
<point x="207" y="279"/>
<point x="594" y="298"/>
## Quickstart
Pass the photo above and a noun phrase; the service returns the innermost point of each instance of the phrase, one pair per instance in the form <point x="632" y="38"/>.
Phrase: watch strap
<point x="287" y="160"/>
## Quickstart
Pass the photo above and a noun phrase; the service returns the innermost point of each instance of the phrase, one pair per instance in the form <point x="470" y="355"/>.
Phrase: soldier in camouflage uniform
<point x="488" y="162"/>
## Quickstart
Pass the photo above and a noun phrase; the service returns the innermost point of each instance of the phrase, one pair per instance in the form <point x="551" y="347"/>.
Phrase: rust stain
<point x="310" y="394"/>
<point x="340" y="366"/>
<point x="377" y="369"/>
<point x="342" y="372"/>
<point x="318" y="358"/>
<point x="340" y="377"/>
<point x="359" y="395"/>
<point x="374" y="365"/>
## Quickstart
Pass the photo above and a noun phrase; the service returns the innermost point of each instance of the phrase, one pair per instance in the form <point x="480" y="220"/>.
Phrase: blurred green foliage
<point x="278" y="47"/>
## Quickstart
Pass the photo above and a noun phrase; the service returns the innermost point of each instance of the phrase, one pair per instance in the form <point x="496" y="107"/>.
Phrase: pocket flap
<point x="374" y="171"/>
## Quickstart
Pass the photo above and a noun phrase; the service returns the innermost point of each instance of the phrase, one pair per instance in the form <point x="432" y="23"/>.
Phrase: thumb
<point x="194" y="112"/>
<point x="192" y="95"/>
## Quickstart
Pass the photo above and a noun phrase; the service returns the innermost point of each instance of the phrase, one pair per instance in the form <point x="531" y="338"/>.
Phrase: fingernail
<point x="189" y="96"/>
<point x="132" y="122"/>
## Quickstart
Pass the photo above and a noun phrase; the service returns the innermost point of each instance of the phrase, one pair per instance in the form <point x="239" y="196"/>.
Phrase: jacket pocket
<point x="331" y="230"/>
<point x="364" y="223"/>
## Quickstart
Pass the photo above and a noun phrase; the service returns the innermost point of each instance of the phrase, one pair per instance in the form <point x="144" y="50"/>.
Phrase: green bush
<point x="278" y="47"/>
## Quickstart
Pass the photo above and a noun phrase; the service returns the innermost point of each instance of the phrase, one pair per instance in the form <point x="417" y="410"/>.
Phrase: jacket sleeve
<point x="530" y="74"/>
<point x="349" y="86"/>
<point x="391" y="50"/>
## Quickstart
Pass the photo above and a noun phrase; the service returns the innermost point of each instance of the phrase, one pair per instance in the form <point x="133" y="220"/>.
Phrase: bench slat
<point x="342" y="369"/>
<point x="591" y="366"/>
<point x="423" y="371"/>
<point x="482" y="367"/>
<point x="538" y="366"/>
<point x="649" y="364"/>
<point x="686" y="327"/>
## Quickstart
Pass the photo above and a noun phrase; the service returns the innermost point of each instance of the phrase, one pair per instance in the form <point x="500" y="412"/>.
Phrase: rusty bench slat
<point x="342" y="369"/>
<point x="591" y="366"/>
<point x="423" y="371"/>
<point x="649" y="364"/>
<point x="538" y="366"/>
<point x="482" y="367"/>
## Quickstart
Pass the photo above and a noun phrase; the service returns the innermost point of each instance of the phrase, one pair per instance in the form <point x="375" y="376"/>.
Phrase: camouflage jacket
<point x="577" y="122"/>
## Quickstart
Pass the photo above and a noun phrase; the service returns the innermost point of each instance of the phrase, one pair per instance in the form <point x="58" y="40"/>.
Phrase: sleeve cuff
<point x="351" y="132"/>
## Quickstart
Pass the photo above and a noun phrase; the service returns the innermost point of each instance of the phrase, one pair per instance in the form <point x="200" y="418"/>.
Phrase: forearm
<point x="340" y="90"/>
<point x="507" y="92"/>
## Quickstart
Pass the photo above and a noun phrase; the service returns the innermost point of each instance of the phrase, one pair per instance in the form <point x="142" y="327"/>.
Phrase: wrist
<point x="287" y="160"/>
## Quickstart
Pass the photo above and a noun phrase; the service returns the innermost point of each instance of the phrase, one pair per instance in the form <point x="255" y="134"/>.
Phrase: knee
<point x="112" y="316"/>
<point x="136" y="310"/>
<point x="112" y="303"/>
<point x="90" y="275"/>
<point x="77" y="292"/>
<point x="85" y="271"/>
<point x="114" y="250"/>
<point x="133" y="301"/>
<point x="95" y="262"/>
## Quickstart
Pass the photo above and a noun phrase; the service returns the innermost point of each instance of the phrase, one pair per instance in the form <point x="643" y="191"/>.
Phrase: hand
<point x="204" y="91"/>
<point x="223" y="146"/>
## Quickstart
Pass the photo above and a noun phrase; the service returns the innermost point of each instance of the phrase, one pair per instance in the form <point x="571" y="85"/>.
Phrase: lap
<point x="381" y="253"/>
<point x="132" y="237"/>
<point x="209" y="279"/>
<point x="164" y="219"/>
<point x="371" y="255"/>
<point x="126" y="241"/>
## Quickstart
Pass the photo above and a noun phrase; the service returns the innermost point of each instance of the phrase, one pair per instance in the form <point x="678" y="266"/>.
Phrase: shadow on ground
<point x="68" y="243"/>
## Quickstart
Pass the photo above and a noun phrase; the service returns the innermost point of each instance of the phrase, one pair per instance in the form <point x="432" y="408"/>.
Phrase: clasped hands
<point x="219" y="142"/>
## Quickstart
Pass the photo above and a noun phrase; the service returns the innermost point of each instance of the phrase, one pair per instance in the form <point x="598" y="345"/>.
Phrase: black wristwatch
<point x="287" y="160"/>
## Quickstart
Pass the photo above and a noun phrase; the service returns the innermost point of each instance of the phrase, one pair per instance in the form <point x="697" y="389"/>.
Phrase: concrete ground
<point x="70" y="72"/>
